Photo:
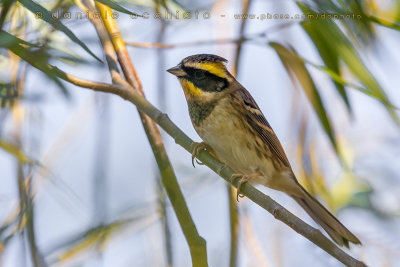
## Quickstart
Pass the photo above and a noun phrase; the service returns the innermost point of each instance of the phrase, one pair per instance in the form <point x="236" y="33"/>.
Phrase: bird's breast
<point x="227" y="132"/>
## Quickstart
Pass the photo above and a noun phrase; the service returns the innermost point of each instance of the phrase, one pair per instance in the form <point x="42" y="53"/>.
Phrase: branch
<point x="162" y="103"/>
<point x="125" y="91"/>
<point x="246" y="7"/>
<point x="184" y="44"/>
<point x="234" y="225"/>
<point x="197" y="244"/>
<point x="264" y="201"/>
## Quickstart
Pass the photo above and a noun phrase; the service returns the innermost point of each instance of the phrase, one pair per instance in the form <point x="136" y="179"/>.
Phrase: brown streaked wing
<point x="260" y="124"/>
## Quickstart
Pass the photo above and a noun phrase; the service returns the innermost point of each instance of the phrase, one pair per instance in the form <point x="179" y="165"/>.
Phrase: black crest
<point x="204" y="58"/>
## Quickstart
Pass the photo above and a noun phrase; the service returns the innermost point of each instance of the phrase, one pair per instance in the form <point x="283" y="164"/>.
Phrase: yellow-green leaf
<point x="296" y="69"/>
<point x="326" y="32"/>
<point x="115" y="6"/>
<point x="45" y="15"/>
<point x="16" y="151"/>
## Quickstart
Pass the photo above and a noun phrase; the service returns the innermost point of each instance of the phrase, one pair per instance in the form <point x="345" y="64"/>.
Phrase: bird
<point x="234" y="129"/>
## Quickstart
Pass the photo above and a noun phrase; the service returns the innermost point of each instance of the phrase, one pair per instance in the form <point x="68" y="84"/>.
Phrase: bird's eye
<point x="199" y="74"/>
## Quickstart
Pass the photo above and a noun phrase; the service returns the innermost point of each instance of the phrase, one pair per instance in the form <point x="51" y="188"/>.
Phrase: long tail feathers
<point x="336" y="230"/>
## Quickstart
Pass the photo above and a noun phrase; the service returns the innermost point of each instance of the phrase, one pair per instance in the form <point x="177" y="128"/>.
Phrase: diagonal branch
<point x="125" y="91"/>
<point x="264" y="201"/>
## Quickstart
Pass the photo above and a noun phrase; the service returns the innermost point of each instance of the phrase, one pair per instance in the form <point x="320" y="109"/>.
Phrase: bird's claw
<point x="244" y="178"/>
<point x="197" y="147"/>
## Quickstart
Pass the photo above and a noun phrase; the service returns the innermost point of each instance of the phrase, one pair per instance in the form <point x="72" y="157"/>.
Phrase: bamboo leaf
<point x="296" y="69"/>
<point x="117" y="7"/>
<point x="385" y="23"/>
<point x="16" y="151"/>
<point x="350" y="14"/>
<point x="6" y="94"/>
<point x="339" y="79"/>
<point x="330" y="58"/>
<point x="37" y="58"/>
<point x="91" y="238"/>
<point x="7" y="40"/>
<point x="328" y="31"/>
<point x="349" y="190"/>
<point x="45" y="15"/>
<point x="159" y="5"/>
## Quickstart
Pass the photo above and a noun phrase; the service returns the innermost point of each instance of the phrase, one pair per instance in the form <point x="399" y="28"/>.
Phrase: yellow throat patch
<point x="189" y="88"/>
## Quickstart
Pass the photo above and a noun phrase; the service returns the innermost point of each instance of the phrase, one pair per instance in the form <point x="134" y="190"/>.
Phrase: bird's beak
<point x="177" y="71"/>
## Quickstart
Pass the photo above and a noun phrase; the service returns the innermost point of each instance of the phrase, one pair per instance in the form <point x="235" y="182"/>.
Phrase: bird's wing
<point x="259" y="123"/>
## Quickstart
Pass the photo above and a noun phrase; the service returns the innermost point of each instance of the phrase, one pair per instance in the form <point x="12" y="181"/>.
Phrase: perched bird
<point x="233" y="128"/>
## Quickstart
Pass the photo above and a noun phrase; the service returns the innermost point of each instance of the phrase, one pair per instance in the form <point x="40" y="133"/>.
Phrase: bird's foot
<point x="197" y="147"/>
<point x="244" y="178"/>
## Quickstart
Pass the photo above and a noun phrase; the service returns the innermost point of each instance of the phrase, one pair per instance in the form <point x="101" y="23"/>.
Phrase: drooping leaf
<point x="113" y="5"/>
<point x="5" y="94"/>
<point x="383" y="22"/>
<point x="45" y="15"/>
<point x="330" y="58"/>
<point x="95" y="236"/>
<point x="6" y="40"/>
<point x="161" y="6"/>
<point x="296" y="69"/>
<point x="62" y="52"/>
<point x="337" y="78"/>
<point x="16" y="151"/>
<point x="37" y="58"/>
<point x="6" y="4"/>
<point x="349" y="190"/>
<point x="351" y="15"/>
<point x="327" y="31"/>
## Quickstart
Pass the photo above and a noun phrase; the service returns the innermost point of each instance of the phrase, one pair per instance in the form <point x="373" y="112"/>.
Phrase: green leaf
<point x="6" y="94"/>
<point x="16" y="151"/>
<point x="6" y="4"/>
<point x="330" y="58"/>
<point x="92" y="237"/>
<point x="46" y="16"/>
<point x="337" y="78"/>
<point x="158" y="5"/>
<point x="115" y="6"/>
<point x="338" y="43"/>
<point x="295" y="67"/>
<point x="37" y="58"/>
<point x="385" y="23"/>
<point x="358" y="26"/>
<point x="8" y="40"/>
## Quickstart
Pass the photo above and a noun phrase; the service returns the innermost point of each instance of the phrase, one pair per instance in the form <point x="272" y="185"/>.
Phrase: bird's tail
<point x="335" y="229"/>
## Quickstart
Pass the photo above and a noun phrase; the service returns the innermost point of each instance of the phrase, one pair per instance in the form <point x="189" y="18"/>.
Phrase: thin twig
<point x="183" y="45"/>
<point x="162" y="102"/>
<point x="246" y="7"/>
<point x="234" y="225"/>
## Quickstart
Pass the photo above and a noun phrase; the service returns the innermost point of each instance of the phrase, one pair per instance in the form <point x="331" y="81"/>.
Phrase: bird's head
<point x="203" y="77"/>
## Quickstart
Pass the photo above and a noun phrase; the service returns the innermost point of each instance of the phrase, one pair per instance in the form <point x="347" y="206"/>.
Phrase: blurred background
<point x="79" y="185"/>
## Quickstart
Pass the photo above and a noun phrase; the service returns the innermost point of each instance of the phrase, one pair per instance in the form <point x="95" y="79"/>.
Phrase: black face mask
<point x="204" y="80"/>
